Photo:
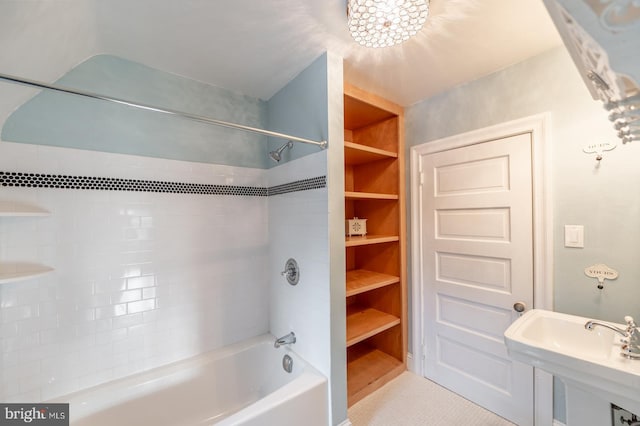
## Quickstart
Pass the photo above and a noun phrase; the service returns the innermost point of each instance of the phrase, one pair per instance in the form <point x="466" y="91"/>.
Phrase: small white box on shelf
<point x="355" y="226"/>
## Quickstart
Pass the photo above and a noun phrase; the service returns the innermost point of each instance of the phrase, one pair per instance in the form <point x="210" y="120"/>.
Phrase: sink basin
<point x="566" y="334"/>
<point x="559" y="343"/>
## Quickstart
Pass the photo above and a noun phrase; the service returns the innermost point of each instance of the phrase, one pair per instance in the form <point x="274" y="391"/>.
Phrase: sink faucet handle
<point x="631" y="325"/>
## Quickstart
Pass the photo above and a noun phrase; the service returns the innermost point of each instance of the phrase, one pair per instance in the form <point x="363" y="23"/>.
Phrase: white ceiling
<point x="257" y="46"/>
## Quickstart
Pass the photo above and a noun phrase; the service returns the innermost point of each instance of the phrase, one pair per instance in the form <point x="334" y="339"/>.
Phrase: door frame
<point x="539" y="127"/>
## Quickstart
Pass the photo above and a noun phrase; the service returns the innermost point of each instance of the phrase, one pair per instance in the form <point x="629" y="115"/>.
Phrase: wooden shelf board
<point x="369" y="372"/>
<point x="369" y="196"/>
<point x="363" y="323"/>
<point x="369" y="239"/>
<point x="373" y="156"/>
<point x="10" y="273"/>
<point x="362" y="109"/>
<point x="355" y="153"/>
<point x="361" y="280"/>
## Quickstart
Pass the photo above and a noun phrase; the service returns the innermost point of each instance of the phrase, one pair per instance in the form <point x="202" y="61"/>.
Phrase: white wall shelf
<point x="11" y="209"/>
<point x="20" y="271"/>
<point x="12" y="272"/>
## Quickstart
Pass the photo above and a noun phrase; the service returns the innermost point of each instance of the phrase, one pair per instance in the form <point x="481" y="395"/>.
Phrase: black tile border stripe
<point x="41" y="180"/>
<point x="299" y="185"/>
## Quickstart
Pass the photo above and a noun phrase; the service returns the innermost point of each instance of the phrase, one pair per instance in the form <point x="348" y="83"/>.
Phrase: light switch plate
<point x="574" y="236"/>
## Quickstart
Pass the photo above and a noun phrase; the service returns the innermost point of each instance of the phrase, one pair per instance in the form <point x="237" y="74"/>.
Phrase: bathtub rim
<point x="137" y="382"/>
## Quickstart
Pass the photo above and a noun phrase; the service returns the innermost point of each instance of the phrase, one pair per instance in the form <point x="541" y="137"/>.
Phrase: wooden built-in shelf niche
<point x="375" y="287"/>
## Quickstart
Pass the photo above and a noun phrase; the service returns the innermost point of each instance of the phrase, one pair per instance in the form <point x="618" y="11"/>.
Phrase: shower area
<point x="131" y="239"/>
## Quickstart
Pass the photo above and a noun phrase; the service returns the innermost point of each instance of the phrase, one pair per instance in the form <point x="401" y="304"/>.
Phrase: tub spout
<point x="289" y="339"/>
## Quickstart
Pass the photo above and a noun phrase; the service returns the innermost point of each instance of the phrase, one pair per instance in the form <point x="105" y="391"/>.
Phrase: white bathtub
<point x="242" y="384"/>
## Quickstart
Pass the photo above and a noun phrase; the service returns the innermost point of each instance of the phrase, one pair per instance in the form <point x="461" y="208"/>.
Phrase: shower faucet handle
<point x="291" y="272"/>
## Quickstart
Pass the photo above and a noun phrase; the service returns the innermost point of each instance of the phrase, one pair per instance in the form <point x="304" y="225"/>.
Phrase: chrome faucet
<point x="590" y="325"/>
<point x="289" y="339"/>
<point x="630" y="336"/>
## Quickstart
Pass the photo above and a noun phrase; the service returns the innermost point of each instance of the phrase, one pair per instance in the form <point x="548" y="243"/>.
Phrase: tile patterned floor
<point x="411" y="400"/>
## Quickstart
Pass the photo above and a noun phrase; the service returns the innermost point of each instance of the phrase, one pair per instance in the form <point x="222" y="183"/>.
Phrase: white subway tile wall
<point x="299" y="228"/>
<point x="141" y="279"/>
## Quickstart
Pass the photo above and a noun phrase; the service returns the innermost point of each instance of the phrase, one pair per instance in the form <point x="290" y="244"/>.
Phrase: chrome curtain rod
<point x="194" y="117"/>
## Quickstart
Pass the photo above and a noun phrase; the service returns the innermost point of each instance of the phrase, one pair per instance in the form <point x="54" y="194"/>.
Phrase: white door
<point x="477" y="254"/>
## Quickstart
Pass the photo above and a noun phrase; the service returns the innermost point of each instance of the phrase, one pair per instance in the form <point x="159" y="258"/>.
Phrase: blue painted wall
<point x="69" y="121"/>
<point x="310" y="106"/>
<point x="603" y="197"/>
<point x="300" y="109"/>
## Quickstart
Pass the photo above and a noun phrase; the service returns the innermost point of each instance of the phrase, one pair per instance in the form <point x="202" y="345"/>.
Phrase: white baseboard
<point x="345" y="423"/>
<point x="410" y="365"/>
<point x="558" y="423"/>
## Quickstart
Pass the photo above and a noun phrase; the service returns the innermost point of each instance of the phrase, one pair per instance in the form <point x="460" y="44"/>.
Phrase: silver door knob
<point x="519" y="307"/>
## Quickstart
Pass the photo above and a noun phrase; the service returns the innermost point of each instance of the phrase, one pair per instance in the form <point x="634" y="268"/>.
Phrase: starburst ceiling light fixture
<point x="383" y="23"/>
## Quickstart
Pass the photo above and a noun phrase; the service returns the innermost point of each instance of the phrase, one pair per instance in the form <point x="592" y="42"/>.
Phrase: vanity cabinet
<point x="376" y="262"/>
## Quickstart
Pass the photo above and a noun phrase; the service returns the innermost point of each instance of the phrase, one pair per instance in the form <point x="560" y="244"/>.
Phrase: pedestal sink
<point x="588" y="362"/>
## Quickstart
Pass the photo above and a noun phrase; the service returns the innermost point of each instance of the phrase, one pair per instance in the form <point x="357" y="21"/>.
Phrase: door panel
<point x="477" y="255"/>
<point x="476" y="318"/>
<point x="491" y="174"/>
<point x="473" y="224"/>
<point x="487" y="368"/>
<point x="483" y="272"/>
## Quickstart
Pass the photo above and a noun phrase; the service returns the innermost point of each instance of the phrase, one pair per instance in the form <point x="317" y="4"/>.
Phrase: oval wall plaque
<point x="601" y="272"/>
